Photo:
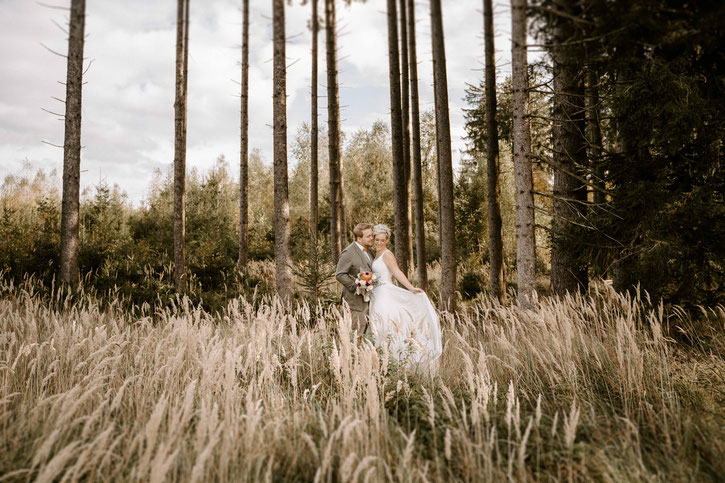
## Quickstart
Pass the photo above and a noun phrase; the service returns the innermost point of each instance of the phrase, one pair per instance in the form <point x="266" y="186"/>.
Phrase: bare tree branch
<point x="53" y="51"/>
<point x="62" y="29"/>
<point x="563" y="169"/>
<point x="90" y="63"/>
<point x="53" y="113"/>
<point x="55" y="7"/>
<point x="559" y="13"/>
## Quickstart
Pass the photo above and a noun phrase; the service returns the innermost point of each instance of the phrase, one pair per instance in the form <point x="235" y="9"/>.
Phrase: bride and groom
<point x="401" y="319"/>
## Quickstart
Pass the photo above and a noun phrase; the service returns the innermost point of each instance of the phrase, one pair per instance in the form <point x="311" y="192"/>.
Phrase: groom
<point x="356" y="258"/>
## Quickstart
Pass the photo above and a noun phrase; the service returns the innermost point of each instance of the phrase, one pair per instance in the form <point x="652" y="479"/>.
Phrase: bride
<point x="402" y="320"/>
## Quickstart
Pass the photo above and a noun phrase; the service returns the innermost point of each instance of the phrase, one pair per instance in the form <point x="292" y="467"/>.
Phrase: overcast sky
<point x="128" y="116"/>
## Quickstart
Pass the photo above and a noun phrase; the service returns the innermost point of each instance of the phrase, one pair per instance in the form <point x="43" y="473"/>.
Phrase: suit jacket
<point x="352" y="261"/>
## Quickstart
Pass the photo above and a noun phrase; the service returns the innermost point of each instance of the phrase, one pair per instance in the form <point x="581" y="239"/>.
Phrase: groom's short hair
<point x="359" y="228"/>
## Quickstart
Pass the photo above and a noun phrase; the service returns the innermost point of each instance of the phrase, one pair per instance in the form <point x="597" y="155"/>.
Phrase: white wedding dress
<point x="405" y="322"/>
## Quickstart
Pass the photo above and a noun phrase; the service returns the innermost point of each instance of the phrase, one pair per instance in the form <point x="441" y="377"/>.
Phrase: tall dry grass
<point x="577" y="389"/>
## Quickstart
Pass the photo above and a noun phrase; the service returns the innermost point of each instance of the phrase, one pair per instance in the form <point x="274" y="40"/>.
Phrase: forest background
<point x="662" y="217"/>
<point x="117" y="362"/>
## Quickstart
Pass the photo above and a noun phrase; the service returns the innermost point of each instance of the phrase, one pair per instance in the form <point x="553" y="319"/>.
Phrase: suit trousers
<point x="360" y="320"/>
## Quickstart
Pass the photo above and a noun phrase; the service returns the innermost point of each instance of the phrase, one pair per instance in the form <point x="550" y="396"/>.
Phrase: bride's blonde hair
<point x="380" y="228"/>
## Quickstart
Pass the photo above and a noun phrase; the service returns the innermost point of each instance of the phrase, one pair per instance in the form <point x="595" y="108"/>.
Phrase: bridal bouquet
<point x="365" y="283"/>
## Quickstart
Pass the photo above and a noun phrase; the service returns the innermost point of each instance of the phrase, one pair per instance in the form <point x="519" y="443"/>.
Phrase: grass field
<point x="577" y="389"/>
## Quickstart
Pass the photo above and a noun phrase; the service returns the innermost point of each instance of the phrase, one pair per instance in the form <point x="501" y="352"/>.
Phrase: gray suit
<point x="352" y="261"/>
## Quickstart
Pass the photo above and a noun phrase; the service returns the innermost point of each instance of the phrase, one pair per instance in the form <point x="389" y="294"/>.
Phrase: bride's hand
<point x="417" y="290"/>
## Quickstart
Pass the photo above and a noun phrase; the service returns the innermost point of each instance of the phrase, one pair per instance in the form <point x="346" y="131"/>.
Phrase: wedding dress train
<point x="405" y="322"/>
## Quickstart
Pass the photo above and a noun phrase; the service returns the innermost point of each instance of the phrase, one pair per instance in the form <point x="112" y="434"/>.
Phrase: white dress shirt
<point x="364" y="251"/>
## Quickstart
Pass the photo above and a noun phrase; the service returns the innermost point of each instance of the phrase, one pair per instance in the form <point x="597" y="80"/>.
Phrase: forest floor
<point x="605" y="387"/>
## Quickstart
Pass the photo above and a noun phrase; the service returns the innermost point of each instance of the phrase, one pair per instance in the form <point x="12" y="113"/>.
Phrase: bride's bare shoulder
<point x="388" y="256"/>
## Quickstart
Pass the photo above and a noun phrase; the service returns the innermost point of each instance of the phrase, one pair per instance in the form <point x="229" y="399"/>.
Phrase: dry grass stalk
<point x="576" y="388"/>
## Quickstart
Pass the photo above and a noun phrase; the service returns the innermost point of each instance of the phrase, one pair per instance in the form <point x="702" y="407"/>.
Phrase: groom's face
<point x="367" y="238"/>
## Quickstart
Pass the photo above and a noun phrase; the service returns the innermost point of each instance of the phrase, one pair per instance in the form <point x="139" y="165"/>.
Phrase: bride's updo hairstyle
<point x="378" y="229"/>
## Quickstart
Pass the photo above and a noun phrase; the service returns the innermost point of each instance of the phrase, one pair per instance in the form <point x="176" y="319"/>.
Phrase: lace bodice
<point x="380" y="269"/>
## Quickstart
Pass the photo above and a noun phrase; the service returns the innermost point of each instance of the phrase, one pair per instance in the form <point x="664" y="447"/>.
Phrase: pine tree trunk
<point x="594" y="132"/>
<point x="405" y="116"/>
<point x="182" y="55"/>
<point x="314" y="216"/>
<point x="342" y="225"/>
<point x="523" y="177"/>
<point x="400" y="197"/>
<point x="314" y="131"/>
<point x="569" y="145"/>
<point x="69" y="272"/>
<point x="495" y="241"/>
<point x="333" y="130"/>
<point x="281" y="189"/>
<point x="447" y="227"/>
<point x="422" y="269"/>
<point x="624" y="147"/>
<point x="244" y="150"/>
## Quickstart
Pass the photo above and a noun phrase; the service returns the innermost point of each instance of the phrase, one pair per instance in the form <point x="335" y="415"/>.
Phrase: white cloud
<point x="128" y="101"/>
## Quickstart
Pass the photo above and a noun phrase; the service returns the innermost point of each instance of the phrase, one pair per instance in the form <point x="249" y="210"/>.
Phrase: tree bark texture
<point x="594" y="132"/>
<point x="69" y="272"/>
<point x="569" y="152"/>
<point x="445" y="161"/>
<point x="405" y="116"/>
<point x="523" y="178"/>
<point x="342" y="225"/>
<point x="400" y="204"/>
<point x="244" y="149"/>
<point x="495" y="241"/>
<point x="333" y="131"/>
<point x="422" y="269"/>
<point x="281" y="189"/>
<point x="314" y="216"/>
<point x="182" y="56"/>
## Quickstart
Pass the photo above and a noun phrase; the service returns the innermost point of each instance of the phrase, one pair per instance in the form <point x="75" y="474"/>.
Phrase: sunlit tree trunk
<point x="244" y="150"/>
<point x="182" y="59"/>
<point x="69" y="272"/>
<point x="314" y="217"/>
<point x="281" y="188"/>
<point x="447" y="227"/>
<point x="341" y="223"/>
<point x="400" y="197"/>
<point x="405" y="116"/>
<point x="333" y="131"/>
<point x="314" y="135"/>
<point x="495" y="242"/>
<point x="422" y="269"/>
<point x="523" y="177"/>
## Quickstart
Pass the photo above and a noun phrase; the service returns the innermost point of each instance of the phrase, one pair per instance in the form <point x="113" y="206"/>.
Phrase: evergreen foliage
<point x="660" y="68"/>
<point x="471" y="202"/>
